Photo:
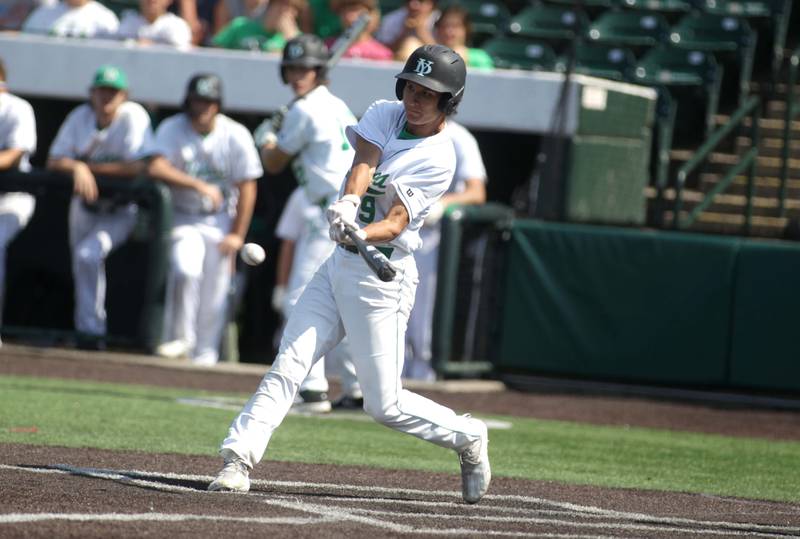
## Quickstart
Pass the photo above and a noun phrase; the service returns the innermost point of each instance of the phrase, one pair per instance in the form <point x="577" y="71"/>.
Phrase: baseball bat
<point x="375" y="259"/>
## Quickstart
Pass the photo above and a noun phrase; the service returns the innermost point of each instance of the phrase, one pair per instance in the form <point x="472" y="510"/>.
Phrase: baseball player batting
<point x="404" y="162"/>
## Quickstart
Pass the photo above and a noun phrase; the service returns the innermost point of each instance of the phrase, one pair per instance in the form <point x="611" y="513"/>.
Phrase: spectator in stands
<point x="278" y="25"/>
<point x="14" y="12"/>
<point x="17" y="143"/>
<point x="453" y="29"/>
<point x="108" y="136"/>
<point x="73" y="18"/>
<point x="227" y="10"/>
<point x="468" y="187"/>
<point x="321" y="19"/>
<point x="406" y="28"/>
<point x="154" y="24"/>
<point x="365" y="46"/>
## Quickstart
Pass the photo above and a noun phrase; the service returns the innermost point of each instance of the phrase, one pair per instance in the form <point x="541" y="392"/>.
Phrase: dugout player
<point x="404" y="163"/>
<point x="312" y="138"/>
<point x="17" y="143"/>
<point x="211" y="165"/>
<point x="107" y="136"/>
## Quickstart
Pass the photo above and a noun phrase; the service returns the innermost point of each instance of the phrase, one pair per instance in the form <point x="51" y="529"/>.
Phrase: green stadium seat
<point x="693" y="79"/>
<point x="634" y="29"/>
<point x="520" y="53"/>
<point x="488" y="17"/>
<point x="671" y="9"/>
<point x="388" y="6"/>
<point x="592" y="7"/>
<point x="604" y="61"/>
<point x="120" y="6"/>
<point x="769" y="18"/>
<point x="549" y="22"/>
<point x="731" y="40"/>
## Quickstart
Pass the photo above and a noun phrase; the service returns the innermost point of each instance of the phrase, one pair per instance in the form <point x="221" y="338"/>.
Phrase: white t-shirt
<point x="89" y="20"/>
<point x="393" y="25"/>
<point x="224" y="157"/>
<point x="314" y="130"/>
<point x="168" y="29"/>
<point x="128" y="137"/>
<point x="17" y="127"/>
<point x="417" y="170"/>
<point x="469" y="163"/>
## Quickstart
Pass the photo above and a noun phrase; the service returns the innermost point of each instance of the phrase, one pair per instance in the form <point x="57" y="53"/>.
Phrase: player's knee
<point x="385" y="415"/>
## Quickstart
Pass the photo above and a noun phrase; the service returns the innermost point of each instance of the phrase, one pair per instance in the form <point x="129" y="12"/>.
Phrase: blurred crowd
<point x="263" y="25"/>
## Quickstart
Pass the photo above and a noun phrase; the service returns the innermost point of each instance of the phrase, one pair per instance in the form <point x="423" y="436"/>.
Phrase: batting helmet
<point x="437" y="68"/>
<point x="204" y="86"/>
<point x="305" y="50"/>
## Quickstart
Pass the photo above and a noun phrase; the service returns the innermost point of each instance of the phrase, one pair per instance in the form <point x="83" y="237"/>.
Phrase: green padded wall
<point x="766" y="350"/>
<point x="617" y="303"/>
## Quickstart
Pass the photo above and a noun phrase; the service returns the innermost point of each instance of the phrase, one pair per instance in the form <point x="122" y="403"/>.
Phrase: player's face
<point x="105" y="102"/>
<point x="203" y="112"/>
<point x="422" y="108"/>
<point x="301" y="79"/>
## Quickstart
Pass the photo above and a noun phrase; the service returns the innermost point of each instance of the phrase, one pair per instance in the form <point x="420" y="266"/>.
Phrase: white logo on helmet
<point x="295" y="50"/>
<point x="424" y="67"/>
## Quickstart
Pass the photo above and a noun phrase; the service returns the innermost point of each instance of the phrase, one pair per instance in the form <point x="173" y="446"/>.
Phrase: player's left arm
<point x="10" y="158"/>
<point x="118" y="168"/>
<point x="234" y="239"/>
<point x="389" y="227"/>
<point x="474" y="193"/>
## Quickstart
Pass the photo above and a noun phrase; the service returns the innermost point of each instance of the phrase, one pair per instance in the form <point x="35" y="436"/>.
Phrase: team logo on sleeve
<point x="424" y="67"/>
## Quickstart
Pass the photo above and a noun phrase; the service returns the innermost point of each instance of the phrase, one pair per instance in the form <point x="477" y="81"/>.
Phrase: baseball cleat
<point x="348" y="402"/>
<point x="476" y="473"/>
<point x="173" y="349"/>
<point x="234" y="477"/>
<point x="312" y="401"/>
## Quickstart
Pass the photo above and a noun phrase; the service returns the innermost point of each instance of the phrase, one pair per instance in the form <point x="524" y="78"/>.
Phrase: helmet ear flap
<point x="283" y="74"/>
<point x="399" y="87"/>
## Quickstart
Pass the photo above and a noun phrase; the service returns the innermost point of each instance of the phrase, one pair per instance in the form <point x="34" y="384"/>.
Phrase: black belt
<point x="387" y="251"/>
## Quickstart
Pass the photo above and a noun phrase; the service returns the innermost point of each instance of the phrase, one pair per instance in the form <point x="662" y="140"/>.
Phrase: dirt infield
<point x="61" y="492"/>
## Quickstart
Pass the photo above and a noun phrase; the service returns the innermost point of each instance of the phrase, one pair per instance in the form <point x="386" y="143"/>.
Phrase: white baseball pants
<point x="16" y="210"/>
<point x="197" y="285"/>
<point x="420" y="323"/>
<point x="92" y="237"/>
<point x="345" y="296"/>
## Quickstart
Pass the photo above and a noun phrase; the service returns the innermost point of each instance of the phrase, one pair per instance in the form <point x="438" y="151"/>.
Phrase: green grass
<point x="113" y="416"/>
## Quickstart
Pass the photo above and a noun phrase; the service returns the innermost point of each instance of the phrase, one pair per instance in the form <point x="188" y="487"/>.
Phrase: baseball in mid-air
<point x="252" y="254"/>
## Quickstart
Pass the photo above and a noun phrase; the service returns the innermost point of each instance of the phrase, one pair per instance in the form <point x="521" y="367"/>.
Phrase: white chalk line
<point x="21" y="518"/>
<point x="130" y="477"/>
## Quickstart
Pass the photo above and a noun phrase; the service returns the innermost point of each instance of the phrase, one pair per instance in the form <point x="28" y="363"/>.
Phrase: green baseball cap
<point x="109" y="76"/>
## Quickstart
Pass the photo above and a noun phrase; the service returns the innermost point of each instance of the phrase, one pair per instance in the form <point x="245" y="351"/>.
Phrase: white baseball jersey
<point x="305" y="224"/>
<point x="418" y="178"/>
<point x="168" y="29"/>
<point x="315" y="128"/>
<point x="224" y="157"/>
<point x="92" y="19"/>
<point x="127" y="138"/>
<point x="17" y="127"/>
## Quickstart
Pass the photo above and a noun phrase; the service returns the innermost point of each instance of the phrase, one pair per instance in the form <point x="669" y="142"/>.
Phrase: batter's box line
<point x="132" y="476"/>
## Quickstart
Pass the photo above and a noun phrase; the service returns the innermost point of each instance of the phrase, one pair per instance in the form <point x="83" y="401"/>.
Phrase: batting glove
<point x="265" y="134"/>
<point x="344" y="209"/>
<point x="337" y="231"/>
<point x="435" y="214"/>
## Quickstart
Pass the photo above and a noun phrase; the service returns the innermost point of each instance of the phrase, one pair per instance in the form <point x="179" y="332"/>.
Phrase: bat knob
<point x="387" y="274"/>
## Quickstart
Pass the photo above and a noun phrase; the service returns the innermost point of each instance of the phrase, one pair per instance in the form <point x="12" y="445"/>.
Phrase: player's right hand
<point x="211" y="193"/>
<point x="265" y="134"/>
<point x="83" y="182"/>
<point x="343" y="209"/>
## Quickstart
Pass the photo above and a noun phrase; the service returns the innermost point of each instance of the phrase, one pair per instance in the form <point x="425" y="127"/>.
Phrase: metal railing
<point x="151" y="195"/>
<point x="493" y="215"/>
<point x="748" y="161"/>
<point x="792" y="110"/>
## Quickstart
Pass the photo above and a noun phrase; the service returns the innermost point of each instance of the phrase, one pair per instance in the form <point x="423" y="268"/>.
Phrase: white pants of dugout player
<point x="16" y="210"/>
<point x="93" y="235"/>
<point x="197" y="286"/>
<point x="345" y="295"/>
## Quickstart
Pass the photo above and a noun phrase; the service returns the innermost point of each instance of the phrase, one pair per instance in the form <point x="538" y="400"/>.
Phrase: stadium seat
<point x="671" y="9"/>
<point x="592" y="7"/>
<point x="549" y="22"/>
<point x="693" y="79"/>
<point x="388" y="6"/>
<point x="604" y="61"/>
<point x="488" y="17"/>
<point x="634" y="29"/>
<point x="519" y="53"/>
<point x="120" y="6"/>
<point x="769" y="18"/>
<point x="731" y="40"/>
